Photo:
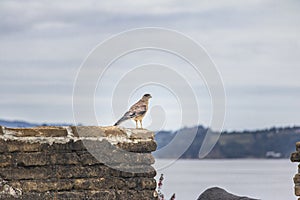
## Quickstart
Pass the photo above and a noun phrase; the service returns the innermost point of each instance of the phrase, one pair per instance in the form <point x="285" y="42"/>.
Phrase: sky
<point x="254" y="44"/>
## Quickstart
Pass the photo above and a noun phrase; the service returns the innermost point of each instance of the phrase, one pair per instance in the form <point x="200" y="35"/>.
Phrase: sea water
<point x="257" y="178"/>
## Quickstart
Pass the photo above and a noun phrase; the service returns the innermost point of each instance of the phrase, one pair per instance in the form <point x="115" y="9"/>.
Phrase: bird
<point x="137" y="111"/>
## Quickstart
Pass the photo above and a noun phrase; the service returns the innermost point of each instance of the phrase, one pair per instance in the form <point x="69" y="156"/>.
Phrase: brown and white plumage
<point x="137" y="111"/>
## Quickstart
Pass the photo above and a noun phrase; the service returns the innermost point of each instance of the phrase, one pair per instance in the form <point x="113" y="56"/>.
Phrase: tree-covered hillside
<point x="268" y="143"/>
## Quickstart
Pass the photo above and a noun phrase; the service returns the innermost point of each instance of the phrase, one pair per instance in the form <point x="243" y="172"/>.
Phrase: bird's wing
<point x="138" y="109"/>
<point x="129" y="114"/>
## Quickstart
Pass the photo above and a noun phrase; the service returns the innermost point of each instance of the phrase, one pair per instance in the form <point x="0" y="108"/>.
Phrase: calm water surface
<point x="262" y="179"/>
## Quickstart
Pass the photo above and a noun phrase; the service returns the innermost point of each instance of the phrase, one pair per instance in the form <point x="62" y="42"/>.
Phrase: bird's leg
<point x="136" y="124"/>
<point x="141" y="124"/>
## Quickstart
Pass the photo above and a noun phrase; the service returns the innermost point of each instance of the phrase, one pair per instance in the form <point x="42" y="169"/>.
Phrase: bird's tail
<point x="124" y="118"/>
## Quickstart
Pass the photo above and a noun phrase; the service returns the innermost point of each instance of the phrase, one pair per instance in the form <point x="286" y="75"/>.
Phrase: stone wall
<point x="76" y="163"/>
<point x="295" y="157"/>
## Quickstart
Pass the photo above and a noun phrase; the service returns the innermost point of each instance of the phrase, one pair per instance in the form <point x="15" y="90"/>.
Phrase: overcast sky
<point x="255" y="45"/>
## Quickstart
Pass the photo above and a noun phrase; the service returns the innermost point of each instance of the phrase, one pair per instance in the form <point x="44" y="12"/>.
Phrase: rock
<point x="97" y="131"/>
<point x="295" y="157"/>
<point x="297" y="179"/>
<point x="297" y="146"/>
<point x="46" y="163"/>
<point x="297" y="190"/>
<point x="43" y="131"/>
<point x="216" y="193"/>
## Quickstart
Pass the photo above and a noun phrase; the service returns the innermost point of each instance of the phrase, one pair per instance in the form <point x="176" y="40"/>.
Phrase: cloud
<point x="255" y="45"/>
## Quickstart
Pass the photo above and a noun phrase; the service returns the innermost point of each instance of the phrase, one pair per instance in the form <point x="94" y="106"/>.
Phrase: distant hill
<point x="24" y="124"/>
<point x="267" y="143"/>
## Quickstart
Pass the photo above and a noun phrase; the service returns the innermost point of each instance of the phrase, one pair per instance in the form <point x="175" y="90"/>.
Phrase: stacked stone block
<point x="295" y="157"/>
<point x="76" y="163"/>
